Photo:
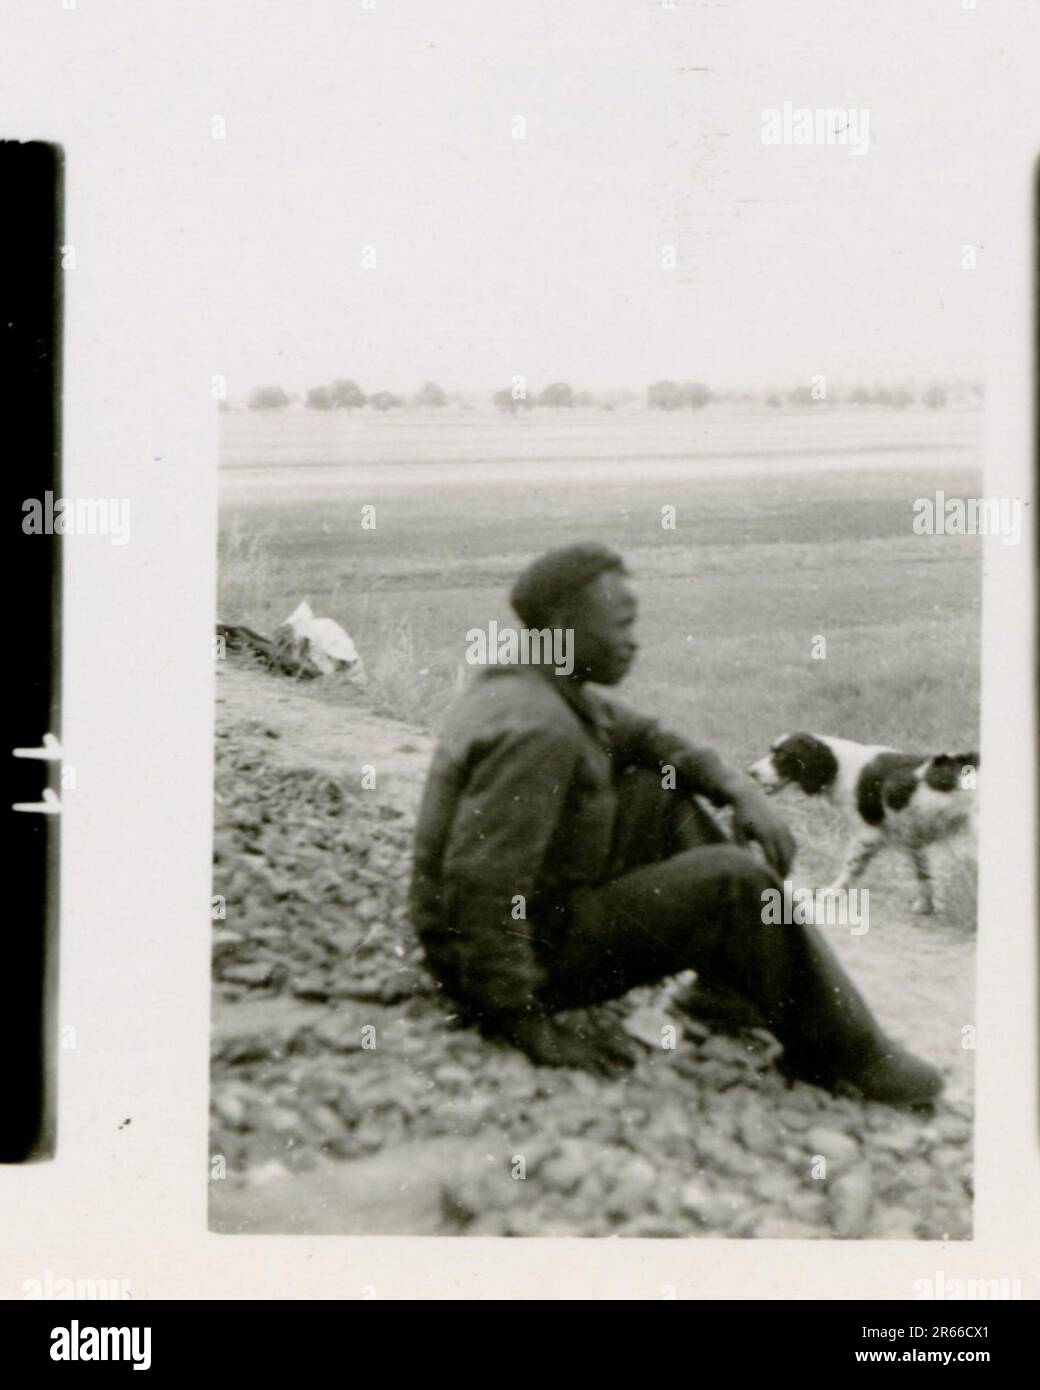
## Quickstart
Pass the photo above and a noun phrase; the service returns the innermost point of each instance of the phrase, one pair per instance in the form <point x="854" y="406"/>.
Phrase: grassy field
<point x="789" y="526"/>
<point x="768" y="552"/>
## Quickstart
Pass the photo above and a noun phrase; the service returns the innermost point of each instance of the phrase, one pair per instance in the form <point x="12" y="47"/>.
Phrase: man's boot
<point x="894" y="1076"/>
<point x="886" y="1073"/>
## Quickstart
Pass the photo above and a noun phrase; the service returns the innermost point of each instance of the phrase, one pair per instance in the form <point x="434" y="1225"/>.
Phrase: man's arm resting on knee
<point x="702" y="772"/>
<point x="643" y="741"/>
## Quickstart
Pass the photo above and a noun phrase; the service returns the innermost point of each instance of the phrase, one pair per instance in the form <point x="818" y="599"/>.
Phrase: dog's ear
<point x="807" y="760"/>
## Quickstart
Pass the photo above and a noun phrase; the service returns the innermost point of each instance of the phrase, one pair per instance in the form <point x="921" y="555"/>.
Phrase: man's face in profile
<point x="602" y="617"/>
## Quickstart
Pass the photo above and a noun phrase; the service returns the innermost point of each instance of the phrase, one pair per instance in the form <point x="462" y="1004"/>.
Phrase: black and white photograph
<point x="598" y="655"/>
<point x="524" y="777"/>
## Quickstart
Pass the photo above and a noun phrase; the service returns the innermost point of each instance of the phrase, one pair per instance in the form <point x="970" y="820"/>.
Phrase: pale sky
<point x="391" y="127"/>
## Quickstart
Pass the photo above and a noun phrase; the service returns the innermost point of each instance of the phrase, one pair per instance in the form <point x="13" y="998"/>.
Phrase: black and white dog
<point x="905" y="800"/>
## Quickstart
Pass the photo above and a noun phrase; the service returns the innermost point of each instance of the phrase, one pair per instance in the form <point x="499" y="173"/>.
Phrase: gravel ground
<point x="342" y="1087"/>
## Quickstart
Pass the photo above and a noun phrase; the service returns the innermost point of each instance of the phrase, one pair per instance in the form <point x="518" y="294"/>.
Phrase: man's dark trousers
<point x="683" y="896"/>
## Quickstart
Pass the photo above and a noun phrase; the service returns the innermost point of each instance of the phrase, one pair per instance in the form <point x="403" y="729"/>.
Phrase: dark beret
<point x="556" y="576"/>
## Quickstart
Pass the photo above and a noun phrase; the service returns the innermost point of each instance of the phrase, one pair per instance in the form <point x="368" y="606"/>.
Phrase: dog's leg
<point x="859" y="855"/>
<point x="924" y="903"/>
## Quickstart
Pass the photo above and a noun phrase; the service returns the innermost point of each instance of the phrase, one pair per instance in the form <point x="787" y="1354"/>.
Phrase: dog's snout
<point x="764" y="772"/>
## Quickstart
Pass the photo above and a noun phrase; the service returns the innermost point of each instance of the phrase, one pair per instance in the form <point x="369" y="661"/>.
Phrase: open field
<point x="789" y="527"/>
<point x="769" y="551"/>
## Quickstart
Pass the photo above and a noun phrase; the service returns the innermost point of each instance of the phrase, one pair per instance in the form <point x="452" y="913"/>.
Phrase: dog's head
<point x="948" y="772"/>
<point x="804" y="759"/>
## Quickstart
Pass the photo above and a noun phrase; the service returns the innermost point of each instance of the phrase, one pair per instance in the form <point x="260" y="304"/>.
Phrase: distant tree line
<point x="677" y="395"/>
<point x="268" y="398"/>
<point x="896" y="398"/>
<point x="346" y="394"/>
<point x="560" y="395"/>
<point x="694" y="395"/>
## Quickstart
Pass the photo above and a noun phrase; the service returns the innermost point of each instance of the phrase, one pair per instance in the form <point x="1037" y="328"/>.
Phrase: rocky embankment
<point x="346" y="1098"/>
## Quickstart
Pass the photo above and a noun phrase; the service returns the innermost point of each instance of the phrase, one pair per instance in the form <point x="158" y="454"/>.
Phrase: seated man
<point x="556" y="867"/>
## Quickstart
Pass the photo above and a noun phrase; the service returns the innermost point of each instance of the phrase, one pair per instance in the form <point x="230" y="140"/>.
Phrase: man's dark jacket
<point x="519" y="810"/>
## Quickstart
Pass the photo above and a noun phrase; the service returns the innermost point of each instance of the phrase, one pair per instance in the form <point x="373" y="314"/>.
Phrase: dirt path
<point x="330" y="737"/>
<point x="345" y="1099"/>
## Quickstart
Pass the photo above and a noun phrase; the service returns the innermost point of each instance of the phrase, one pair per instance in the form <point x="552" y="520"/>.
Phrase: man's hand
<point x="755" y="819"/>
<point x="550" y="1043"/>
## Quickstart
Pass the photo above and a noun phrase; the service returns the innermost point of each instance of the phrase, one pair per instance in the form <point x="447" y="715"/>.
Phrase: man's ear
<point x="565" y="614"/>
